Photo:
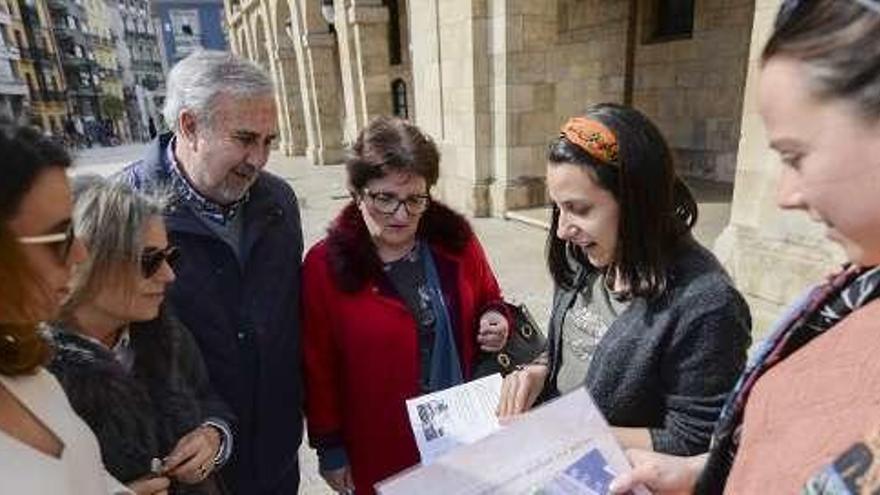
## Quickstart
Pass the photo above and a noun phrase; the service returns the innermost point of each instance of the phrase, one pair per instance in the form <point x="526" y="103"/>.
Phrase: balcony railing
<point x="53" y="96"/>
<point x="75" y="61"/>
<point x="10" y="53"/>
<point x="58" y="5"/>
<point x="84" y="91"/>
<point x="37" y="54"/>
<point x="146" y="66"/>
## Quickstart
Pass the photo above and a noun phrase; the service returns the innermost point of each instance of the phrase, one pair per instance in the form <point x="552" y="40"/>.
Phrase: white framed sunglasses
<point x="62" y="240"/>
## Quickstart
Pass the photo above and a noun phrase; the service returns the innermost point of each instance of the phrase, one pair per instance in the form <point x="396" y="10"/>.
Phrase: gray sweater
<point x="667" y="364"/>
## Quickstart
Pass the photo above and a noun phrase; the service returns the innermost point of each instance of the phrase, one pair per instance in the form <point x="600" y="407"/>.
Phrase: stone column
<point x="451" y="92"/>
<point x="321" y="97"/>
<point x="523" y="99"/>
<point x="773" y="255"/>
<point x="362" y="34"/>
<point x="292" y="111"/>
<point x="281" y="103"/>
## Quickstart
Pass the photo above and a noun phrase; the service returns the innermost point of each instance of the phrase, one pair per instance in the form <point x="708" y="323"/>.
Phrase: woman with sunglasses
<point x="44" y="446"/>
<point x="398" y="301"/>
<point x="805" y="415"/>
<point x="130" y="369"/>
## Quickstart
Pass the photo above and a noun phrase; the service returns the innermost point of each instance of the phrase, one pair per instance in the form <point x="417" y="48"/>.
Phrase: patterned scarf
<point x="185" y="192"/>
<point x="825" y="306"/>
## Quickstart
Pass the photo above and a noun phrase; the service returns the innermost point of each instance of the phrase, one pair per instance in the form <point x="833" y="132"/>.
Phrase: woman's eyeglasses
<point x="62" y="242"/>
<point x="389" y="204"/>
<point x="152" y="258"/>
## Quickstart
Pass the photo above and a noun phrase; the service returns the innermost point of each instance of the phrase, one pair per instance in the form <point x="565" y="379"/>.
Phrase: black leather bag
<point x="524" y="343"/>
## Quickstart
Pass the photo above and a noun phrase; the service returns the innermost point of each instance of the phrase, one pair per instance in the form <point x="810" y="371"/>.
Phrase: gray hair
<point x="109" y="217"/>
<point x="196" y="81"/>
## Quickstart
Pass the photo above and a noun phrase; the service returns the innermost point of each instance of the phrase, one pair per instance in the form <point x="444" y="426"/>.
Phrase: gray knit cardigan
<point x="668" y="363"/>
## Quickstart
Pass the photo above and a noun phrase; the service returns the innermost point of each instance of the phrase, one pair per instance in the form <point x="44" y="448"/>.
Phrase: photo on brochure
<point x="434" y="416"/>
<point x="589" y="475"/>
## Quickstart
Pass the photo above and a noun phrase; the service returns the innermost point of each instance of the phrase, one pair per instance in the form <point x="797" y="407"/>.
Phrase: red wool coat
<point x="361" y="342"/>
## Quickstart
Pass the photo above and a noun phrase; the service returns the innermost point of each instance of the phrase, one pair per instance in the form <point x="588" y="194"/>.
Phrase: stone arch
<point x="310" y="16"/>
<point x="261" y="41"/>
<point x="287" y="79"/>
<point x="317" y="61"/>
<point x="246" y="50"/>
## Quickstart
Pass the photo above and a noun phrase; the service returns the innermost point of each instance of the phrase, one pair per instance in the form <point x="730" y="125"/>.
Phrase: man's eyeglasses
<point x="152" y="258"/>
<point x="389" y="204"/>
<point x="61" y="241"/>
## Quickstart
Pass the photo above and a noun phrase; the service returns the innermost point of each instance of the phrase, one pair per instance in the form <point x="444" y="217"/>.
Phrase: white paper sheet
<point x="459" y="415"/>
<point x="564" y="447"/>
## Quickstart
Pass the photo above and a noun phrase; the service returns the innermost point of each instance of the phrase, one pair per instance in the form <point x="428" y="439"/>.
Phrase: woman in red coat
<point x="398" y="301"/>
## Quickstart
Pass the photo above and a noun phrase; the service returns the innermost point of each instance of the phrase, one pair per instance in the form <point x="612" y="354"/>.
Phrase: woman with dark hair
<point x="643" y="312"/>
<point x="805" y="415"/>
<point x="132" y="371"/>
<point x="45" y="447"/>
<point x="398" y="301"/>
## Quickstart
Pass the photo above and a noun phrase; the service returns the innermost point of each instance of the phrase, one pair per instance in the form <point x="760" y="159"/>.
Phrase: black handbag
<point x="525" y="343"/>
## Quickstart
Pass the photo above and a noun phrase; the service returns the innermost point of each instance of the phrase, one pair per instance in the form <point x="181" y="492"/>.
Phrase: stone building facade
<point x="337" y="63"/>
<point x="13" y="90"/>
<point x="39" y="64"/>
<point x="492" y="81"/>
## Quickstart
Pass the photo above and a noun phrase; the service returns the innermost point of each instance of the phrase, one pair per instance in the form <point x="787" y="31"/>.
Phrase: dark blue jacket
<point x="245" y="319"/>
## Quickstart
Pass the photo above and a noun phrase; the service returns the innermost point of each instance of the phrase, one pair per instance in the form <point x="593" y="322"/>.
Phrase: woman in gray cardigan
<point x="642" y="312"/>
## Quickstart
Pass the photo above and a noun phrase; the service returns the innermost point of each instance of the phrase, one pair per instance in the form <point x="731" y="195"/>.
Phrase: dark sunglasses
<point x="152" y="259"/>
<point x="61" y="242"/>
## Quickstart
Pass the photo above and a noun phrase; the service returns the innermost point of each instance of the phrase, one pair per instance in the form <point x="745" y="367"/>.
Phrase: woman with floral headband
<point x="641" y="310"/>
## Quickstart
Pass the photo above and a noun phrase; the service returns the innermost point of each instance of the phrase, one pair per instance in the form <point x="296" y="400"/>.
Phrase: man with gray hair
<point x="238" y="229"/>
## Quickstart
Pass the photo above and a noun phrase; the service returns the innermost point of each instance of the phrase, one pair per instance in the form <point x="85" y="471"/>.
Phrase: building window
<point x="398" y="98"/>
<point x="670" y="20"/>
<point x="394" y="45"/>
<point x="32" y="90"/>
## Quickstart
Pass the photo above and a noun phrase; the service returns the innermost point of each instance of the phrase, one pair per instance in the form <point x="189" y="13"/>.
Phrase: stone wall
<point x="492" y="81"/>
<point x="693" y="88"/>
<point x="522" y="98"/>
<point x="451" y="90"/>
<point x="773" y="255"/>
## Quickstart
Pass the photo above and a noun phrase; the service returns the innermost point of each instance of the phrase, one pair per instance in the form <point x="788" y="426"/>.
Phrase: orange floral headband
<point x="593" y="137"/>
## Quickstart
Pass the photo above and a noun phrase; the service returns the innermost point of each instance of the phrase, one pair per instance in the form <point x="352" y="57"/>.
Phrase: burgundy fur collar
<point x="352" y="255"/>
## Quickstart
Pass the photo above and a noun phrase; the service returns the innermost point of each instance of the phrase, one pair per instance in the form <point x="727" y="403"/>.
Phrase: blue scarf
<point x="445" y="366"/>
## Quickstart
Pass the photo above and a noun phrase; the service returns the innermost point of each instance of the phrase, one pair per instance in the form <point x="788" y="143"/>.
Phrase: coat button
<point x="240" y="335"/>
